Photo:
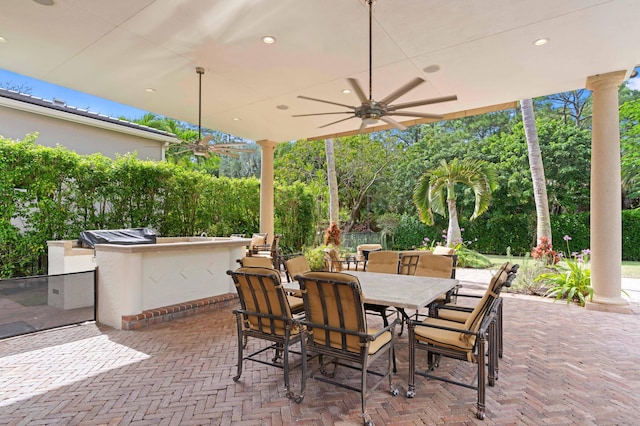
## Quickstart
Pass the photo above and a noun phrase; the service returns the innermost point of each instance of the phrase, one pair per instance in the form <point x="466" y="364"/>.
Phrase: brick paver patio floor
<point x="562" y="365"/>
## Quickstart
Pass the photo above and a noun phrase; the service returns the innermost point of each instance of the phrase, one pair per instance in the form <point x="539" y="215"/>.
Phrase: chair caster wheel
<point x="411" y="393"/>
<point x="236" y="378"/>
<point x="299" y="399"/>
<point x="394" y="392"/>
<point x="480" y="415"/>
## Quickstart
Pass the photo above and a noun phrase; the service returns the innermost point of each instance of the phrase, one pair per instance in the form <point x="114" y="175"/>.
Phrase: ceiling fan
<point x="202" y="147"/>
<point x="370" y="111"/>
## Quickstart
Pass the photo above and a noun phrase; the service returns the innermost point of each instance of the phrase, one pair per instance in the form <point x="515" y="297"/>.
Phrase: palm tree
<point x="334" y="206"/>
<point x="429" y="194"/>
<point x="543" y="228"/>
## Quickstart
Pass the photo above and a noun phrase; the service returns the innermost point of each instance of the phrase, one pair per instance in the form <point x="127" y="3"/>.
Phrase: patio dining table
<point x="400" y="291"/>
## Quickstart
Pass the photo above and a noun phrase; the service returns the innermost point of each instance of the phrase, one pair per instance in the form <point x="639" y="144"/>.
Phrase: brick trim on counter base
<point x="179" y="310"/>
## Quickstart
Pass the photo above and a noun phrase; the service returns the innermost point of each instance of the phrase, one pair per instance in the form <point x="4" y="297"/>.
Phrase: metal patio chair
<point x="265" y="314"/>
<point x="337" y="332"/>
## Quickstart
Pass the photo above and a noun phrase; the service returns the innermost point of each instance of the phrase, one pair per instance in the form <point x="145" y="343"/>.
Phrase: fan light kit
<point x="370" y="111"/>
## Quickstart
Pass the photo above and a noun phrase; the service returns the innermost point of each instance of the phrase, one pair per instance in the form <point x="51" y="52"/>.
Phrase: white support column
<point x="266" y="187"/>
<point x="606" y="198"/>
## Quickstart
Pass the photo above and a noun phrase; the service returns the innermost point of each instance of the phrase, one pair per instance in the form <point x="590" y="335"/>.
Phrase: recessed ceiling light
<point x="268" y="39"/>
<point x="283" y="107"/>
<point x="45" y="2"/>
<point x="541" y="41"/>
<point x="432" y="68"/>
<point x="346" y="91"/>
<point x="150" y="90"/>
<point x="3" y="40"/>
<point x="237" y="118"/>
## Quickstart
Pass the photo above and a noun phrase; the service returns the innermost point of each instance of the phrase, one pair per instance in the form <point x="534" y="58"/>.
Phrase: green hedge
<point x="493" y="235"/>
<point x="54" y="194"/>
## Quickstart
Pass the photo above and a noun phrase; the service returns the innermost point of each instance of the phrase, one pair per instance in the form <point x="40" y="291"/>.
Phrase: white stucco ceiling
<point x="116" y="49"/>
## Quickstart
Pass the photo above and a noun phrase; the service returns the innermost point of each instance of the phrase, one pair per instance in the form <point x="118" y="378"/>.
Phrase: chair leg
<point x="363" y="395"/>
<point x="492" y="355"/>
<point x="411" y="389"/>
<point x="499" y="331"/>
<point x="481" y="378"/>
<point x="241" y="343"/>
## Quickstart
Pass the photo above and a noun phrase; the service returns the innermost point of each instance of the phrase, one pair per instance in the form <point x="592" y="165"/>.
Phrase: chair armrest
<point x="454" y="308"/>
<point x="414" y="323"/>
<point x="261" y="247"/>
<point x="390" y="328"/>
<point x="474" y="296"/>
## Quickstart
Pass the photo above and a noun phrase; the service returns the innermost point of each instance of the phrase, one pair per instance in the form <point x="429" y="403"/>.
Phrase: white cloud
<point x="634" y="83"/>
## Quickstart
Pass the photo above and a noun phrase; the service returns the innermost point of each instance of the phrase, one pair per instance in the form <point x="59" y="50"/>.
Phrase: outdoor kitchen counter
<point x="142" y="277"/>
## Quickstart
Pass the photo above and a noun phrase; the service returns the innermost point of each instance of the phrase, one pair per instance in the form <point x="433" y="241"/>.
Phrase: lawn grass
<point x="629" y="269"/>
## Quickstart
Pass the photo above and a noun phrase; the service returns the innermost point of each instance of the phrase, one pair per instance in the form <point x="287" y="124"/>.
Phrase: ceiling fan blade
<point x="393" y="122"/>
<point x="322" y="113"/>
<point x="422" y="102"/>
<point x="336" y="122"/>
<point x="326" y="102"/>
<point x="401" y="91"/>
<point x="231" y="144"/>
<point x="363" y="125"/>
<point x="204" y="140"/>
<point x="356" y="88"/>
<point x="416" y="114"/>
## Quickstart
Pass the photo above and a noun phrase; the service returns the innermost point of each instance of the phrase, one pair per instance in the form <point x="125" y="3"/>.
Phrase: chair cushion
<point x="377" y="344"/>
<point x="385" y="262"/>
<point x="444" y="338"/>
<point x="295" y="302"/>
<point x="447" y="251"/>
<point x="254" y="261"/>
<point x="453" y="315"/>
<point x="434" y="266"/>
<point x="257" y="239"/>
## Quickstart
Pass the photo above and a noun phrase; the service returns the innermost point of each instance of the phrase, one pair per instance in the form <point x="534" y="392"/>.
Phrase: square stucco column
<point x="266" y="187"/>
<point x="606" y="198"/>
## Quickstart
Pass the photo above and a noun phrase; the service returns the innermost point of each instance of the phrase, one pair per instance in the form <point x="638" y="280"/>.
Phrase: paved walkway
<point x="562" y="365"/>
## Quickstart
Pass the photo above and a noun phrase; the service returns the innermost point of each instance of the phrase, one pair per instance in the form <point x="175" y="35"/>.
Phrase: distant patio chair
<point x="273" y="252"/>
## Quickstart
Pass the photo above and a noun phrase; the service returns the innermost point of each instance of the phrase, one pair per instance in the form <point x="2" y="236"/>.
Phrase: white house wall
<point x="79" y="137"/>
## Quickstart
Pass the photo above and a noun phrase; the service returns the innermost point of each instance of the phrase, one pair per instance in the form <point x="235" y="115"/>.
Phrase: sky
<point x="91" y="103"/>
<point x="72" y="98"/>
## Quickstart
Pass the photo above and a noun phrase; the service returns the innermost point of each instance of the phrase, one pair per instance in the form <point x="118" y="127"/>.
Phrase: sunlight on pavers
<point x="31" y="373"/>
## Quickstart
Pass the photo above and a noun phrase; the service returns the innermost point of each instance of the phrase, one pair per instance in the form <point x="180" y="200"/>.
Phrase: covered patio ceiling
<point x="484" y="52"/>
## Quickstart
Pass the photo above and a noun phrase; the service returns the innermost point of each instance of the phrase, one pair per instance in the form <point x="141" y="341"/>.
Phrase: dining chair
<point x="332" y="261"/>
<point x="296" y="266"/>
<point x="337" y="333"/>
<point x="256" y="262"/>
<point x="460" y="314"/>
<point x="258" y="241"/>
<point x="265" y="314"/>
<point x="465" y="342"/>
<point x="409" y="261"/>
<point x="295" y="300"/>
<point x="272" y="252"/>
<point x="386" y="262"/>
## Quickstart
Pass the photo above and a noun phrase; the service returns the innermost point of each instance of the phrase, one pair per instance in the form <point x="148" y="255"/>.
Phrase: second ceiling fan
<point x="202" y="146"/>
<point x="370" y="111"/>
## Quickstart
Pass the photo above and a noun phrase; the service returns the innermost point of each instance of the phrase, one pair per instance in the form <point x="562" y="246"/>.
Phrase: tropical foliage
<point x="53" y="194"/>
<point x="436" y="192"/>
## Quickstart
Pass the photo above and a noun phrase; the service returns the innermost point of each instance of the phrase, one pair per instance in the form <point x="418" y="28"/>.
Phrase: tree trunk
<point x="543" y="228"/>
<point x="454" y="236"/>
<point x="334" y="209"/>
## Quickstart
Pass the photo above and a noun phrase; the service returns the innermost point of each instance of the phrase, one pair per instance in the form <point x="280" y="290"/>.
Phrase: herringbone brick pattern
<point x="562" y="365"/>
